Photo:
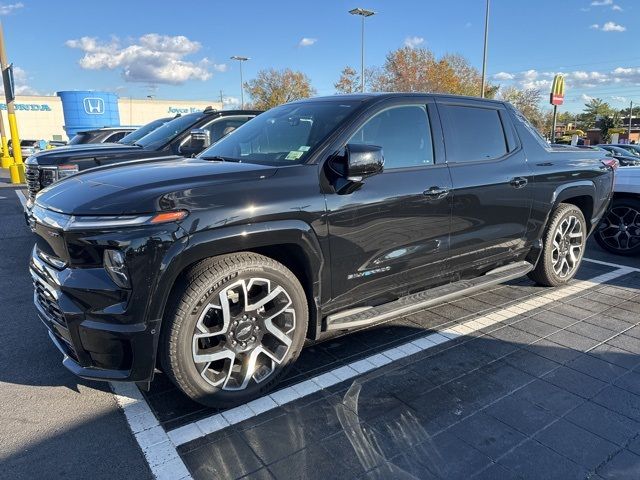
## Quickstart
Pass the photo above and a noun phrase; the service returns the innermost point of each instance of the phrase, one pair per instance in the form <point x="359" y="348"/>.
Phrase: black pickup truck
<point x="186" y="135"/>
<point x="315" y="218"/>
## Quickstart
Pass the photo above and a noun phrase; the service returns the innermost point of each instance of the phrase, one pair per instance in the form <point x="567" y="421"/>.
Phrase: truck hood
<point x="144" y="187"/>
<point x="60" y="155"/>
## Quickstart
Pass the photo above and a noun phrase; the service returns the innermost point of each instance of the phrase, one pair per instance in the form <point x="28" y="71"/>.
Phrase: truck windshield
<point x="283" y="135"/>
<point x="167" y="132"/>
<point x="136" y="135"/>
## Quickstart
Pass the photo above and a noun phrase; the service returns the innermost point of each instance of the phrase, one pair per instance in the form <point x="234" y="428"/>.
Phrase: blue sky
<point x="181" y="50"/>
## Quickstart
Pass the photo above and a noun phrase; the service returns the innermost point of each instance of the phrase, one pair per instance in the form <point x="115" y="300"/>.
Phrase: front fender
<point x="210" y="243"/>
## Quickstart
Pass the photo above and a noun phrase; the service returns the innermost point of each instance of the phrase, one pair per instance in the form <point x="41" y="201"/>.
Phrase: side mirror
<point x="363" y="161"/>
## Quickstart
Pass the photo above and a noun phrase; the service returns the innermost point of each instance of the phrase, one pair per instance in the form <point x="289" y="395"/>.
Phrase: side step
<point x="418" y="301"/>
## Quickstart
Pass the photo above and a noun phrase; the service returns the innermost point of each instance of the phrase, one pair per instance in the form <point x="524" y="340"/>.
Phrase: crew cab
<point x="186" y="135"/>
<point x="316" y="218"/>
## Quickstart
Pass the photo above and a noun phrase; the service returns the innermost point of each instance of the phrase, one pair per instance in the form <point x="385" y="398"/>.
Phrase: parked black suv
<point x="186" y="135"/>
<point x="319" y="216"/>
<point x="101" y="135"/>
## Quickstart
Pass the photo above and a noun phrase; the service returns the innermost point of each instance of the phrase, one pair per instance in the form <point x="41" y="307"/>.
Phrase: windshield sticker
<point x="304" y="148"/>
<point x="294" y="155"/>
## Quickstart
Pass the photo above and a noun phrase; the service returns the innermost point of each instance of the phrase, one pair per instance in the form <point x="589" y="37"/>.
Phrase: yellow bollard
<point x="16" y="172"/>
<point x="15" y="140"/>
<point x="5" y="161"/>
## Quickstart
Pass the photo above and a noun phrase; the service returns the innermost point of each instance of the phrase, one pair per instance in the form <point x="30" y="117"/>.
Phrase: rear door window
<point x="472" y="134"/>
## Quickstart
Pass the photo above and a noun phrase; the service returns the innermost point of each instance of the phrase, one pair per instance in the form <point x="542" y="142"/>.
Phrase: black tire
<point x="196" y="316"/>
<point x="619" y="229"/>
<point x="550" y="270"/>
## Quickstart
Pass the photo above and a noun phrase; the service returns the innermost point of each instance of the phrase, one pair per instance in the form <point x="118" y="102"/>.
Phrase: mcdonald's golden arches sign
<point x="557" y="90"/>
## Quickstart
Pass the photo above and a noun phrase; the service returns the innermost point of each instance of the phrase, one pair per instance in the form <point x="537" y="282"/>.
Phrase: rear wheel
<point x="563" y="247"/>
<point x="619" y="230"/>
<point x="238" y="323"/>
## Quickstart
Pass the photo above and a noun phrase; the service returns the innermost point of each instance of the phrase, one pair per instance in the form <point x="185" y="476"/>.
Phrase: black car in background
<point x="146" y="129"/>
<point x="186" y="136"/>
<point x="101" y="135"/>
<point x="624" y="156"/>
<point x="632" y="148"/>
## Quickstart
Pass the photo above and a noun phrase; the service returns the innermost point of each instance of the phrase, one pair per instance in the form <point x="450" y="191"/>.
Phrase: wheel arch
<point x="292" y="243"/>
<point x="582" y="194"/>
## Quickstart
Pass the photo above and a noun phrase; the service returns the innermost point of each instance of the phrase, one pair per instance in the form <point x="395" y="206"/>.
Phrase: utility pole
<point x="221" y="99"/>
<point x="630" y="115"/>
<point x="241" y="59"/>
<point x="16" y="169"/>
<point x="484" y="53"/>
<point x="364" y="13"/>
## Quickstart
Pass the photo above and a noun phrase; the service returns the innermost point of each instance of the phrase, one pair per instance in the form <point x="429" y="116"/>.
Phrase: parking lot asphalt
<point x="518" y="381"/>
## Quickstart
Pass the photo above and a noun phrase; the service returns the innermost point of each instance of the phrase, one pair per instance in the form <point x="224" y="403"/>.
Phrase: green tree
<point x="594" y="109"/>
<point x="272" y="87"/>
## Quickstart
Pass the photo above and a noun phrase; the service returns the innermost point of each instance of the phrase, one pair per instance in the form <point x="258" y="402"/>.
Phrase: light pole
<point x="484" y="53"/>
<point x="630" y="116"/>
<point x="364" y="13"/>
<point x="240" y="60"/>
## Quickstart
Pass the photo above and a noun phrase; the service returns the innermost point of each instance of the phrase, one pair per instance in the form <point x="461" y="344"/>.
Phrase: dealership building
<point x="59" y="117"/>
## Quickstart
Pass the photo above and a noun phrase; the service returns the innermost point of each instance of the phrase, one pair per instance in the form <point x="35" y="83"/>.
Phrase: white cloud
<point x="616" y="8"/>
<point x="413" y="42"/>
<point x="613" y="27"/>
<point x="6" y="9"/>
<point x="21" y="83"/>
<point x="601" y="3"/>
<point x="230" y="103"/>
<point x="575" y="80"/>
<point x="504" y="76"/>
<point x="609" y="27"/>
<point x="617" y="98"/>
<point x="307" y="42"/>
<point x="152" y="58"/>
<point x="585" y="98"/>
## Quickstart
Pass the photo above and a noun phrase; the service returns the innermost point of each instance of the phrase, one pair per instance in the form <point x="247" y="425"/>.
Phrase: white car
<point x="619" y="230"/>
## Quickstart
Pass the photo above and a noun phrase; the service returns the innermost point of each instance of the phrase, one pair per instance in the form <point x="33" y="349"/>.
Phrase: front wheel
<point x="619" y="230"/>
<point x="563" y="247"/>
<point x="237" y="324"/>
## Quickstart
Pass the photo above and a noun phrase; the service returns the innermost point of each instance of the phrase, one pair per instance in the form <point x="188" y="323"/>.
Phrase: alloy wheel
<point x="244" y="333"/>
<point x="568" y="240"/>
<point x="620" y="228"/>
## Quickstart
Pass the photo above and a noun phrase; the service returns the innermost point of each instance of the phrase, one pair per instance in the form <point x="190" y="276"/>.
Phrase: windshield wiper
<point x="218" y="158"/>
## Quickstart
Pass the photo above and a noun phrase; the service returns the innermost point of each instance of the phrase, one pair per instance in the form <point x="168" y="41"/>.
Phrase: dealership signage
<point x="184" y="109"/>
<point x="34" y="107"/>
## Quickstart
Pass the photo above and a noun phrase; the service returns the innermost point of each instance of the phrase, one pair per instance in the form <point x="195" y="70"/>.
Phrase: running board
<point x="365" y="316"/>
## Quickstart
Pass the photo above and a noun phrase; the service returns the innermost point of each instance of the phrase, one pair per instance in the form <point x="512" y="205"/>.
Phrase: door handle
<point x="518" y="182"/>
<point x="436" y="193"/>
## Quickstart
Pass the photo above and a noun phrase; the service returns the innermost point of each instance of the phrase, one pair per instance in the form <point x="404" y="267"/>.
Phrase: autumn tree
<point x="418" y="70"/>
<point x="349" y="81"/>
<point x="526" y="100"/>
<point x="273" y="87"/>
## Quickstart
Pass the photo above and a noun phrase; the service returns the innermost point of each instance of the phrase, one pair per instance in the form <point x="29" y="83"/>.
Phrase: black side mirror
<point x="363" y="161"/>
<point x="200" y="139"/>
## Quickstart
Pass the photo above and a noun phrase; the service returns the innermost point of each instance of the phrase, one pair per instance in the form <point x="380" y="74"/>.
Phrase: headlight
<point x="116" y="267"/>
<point x="66" y="171"/>
<point x="82" y="222"/>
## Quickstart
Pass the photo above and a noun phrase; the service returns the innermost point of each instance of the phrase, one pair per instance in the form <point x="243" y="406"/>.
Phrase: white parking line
<point x="21" y="197"/>
<point x="158" y="450"/>
<point x="192" y="431"/>
<point x="609" y="264"/>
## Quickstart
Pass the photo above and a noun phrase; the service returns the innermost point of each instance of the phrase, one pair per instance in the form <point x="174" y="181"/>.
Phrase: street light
<point x="364" y="13"/>
<point x="240" y="60"/>
<point x="484" y="53"/>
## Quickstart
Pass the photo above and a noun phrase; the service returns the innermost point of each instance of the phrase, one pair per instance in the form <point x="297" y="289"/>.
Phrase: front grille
<point x="32" y="173"/>
<point x="48" y="302"/>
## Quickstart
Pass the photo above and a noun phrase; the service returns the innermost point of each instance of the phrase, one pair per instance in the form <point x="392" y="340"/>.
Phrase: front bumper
<point x="102" y="342"/>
